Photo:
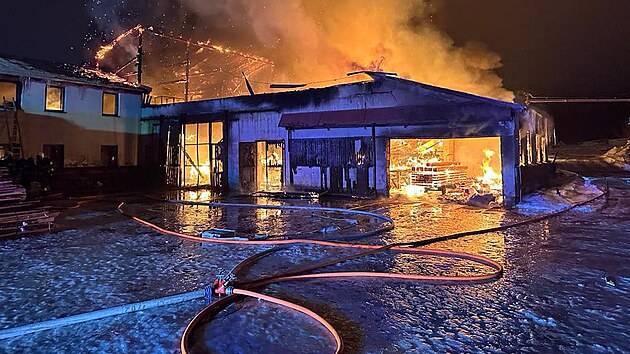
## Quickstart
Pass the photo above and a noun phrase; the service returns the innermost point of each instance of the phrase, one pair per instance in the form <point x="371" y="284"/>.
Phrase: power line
<point x="531" y="99"/>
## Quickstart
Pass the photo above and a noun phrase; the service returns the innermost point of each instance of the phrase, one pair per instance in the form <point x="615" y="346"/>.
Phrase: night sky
<point x="548" y="48"/>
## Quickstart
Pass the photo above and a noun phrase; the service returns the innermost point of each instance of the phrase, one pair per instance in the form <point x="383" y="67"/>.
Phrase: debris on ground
<point x="604" y="157"/>
<point x="481" y="200"/>
<point x="17" y="215"/>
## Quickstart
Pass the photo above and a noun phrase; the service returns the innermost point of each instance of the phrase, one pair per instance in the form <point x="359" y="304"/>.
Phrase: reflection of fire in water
<point x="202" y="195"/>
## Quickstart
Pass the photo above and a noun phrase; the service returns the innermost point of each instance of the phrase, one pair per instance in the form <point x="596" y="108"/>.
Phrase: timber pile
<point x="17" y="215"/>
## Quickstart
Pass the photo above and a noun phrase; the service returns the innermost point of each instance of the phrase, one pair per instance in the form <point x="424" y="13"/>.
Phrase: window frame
<point x="116" y="104"/>
<point x="62" y="100"/>
<point x="16" y="99"/>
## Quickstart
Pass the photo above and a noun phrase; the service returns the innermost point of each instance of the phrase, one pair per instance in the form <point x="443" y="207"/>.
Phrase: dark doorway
<point x="247" y="167"/>
<point x="55" y="153"/>
<point x="109" y="155"/>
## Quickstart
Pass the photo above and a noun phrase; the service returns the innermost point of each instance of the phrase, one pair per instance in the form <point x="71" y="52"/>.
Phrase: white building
<point x="78" y="117"/>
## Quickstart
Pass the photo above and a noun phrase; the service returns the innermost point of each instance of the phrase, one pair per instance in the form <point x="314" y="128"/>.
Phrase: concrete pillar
<point x="233" y="139"/>
<point x="381" y="166"/>
<point x="288" y="176"/>
<point x="510" y="170"/>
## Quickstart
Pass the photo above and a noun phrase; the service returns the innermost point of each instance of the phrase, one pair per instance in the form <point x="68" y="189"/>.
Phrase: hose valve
<point x="221" y="286"/>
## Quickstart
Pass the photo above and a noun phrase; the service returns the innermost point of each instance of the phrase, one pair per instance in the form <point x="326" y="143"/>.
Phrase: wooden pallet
<point x="438" y="175"/>
<point x="17" y="215"/>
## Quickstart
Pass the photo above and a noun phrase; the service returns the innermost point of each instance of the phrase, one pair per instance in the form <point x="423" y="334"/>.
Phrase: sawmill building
<point x="365" y="135"/>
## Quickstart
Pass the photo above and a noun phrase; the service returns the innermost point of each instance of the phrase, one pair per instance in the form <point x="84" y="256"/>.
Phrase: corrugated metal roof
<point x="45" y="70"/>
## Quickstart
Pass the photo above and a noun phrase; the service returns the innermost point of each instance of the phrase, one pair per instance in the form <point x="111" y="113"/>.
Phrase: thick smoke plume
<point x="318" y="40"/>
<point x="313" y="40"/>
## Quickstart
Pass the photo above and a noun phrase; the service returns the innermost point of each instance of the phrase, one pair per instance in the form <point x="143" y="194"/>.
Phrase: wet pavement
<point x="565" y="289"/>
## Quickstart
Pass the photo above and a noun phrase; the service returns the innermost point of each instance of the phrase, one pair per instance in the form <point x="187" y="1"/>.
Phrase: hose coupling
<point x="221" y="286"/>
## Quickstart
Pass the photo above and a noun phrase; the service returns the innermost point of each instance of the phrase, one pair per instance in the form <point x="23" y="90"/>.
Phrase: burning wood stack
<point x="461" y="169"/>
<point x="17" y="215"/>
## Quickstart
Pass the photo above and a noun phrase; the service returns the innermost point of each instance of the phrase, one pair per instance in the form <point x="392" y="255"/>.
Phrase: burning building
<point x="371" y="133"/>
<point x="368" y="134"/>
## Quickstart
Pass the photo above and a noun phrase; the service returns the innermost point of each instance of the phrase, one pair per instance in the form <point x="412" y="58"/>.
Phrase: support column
<point x="374" y="159"/>
<point x="287" y="160"/>
<point x="510" y="166"/>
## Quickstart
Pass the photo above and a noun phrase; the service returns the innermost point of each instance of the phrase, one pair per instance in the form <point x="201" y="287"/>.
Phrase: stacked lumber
<point x="17" y="215"/>
<point x="437" y="175"/>
<point x="9" y="191"/>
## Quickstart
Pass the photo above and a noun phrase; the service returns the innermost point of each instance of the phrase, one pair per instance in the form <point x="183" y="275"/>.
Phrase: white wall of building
<point x="81" y="127"/>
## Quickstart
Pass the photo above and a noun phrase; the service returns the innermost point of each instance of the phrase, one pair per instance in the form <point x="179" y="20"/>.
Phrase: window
<point x="55" y="98"/>
<point x="110" y="104"/>
<point x="8" y="91"/>
<point x="202" y="154"/>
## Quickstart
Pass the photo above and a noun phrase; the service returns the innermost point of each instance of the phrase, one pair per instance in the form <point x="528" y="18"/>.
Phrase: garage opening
<point x="456" y="169"/>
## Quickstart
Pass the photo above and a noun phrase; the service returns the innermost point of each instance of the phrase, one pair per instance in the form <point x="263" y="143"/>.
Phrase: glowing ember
<point x="100" y="74"/>
<point x="413" y="191"/>
<point x="103" y="51"/>
<point x="100" y="54"/>
<point x="206" y="69"/>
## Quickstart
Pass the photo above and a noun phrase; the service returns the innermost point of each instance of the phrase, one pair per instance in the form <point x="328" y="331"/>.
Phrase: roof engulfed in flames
<point x="208" y="69"/>
<point x="45" y="70"/>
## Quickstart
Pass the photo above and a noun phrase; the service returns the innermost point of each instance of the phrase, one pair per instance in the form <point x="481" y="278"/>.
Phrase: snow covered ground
<point x="619" y="156"/>
<point x="576" y="191"/>
<point x="566" y="286"/>
<point x="607" y="157"/>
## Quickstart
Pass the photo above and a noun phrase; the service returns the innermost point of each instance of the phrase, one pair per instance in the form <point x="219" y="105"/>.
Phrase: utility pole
<point x="139" y="59"/>
<point x="187" y="83"/>
<point x="531" y="99"/>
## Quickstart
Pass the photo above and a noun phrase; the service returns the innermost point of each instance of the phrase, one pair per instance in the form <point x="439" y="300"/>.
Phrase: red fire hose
<point x="245" y="289"/>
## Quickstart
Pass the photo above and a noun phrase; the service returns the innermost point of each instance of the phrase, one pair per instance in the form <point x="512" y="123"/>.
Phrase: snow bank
<point x="556" y="199"/>
<point x="619" y="156"/>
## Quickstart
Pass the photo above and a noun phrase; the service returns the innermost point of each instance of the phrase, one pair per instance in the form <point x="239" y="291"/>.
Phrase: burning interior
<point x="269" y="169"/>
<point x="459" y="168"/>
<point x="201" y="158"/>
<point x="261" y="166"/>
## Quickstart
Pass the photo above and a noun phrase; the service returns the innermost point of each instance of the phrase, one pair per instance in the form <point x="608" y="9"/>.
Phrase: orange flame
<point x="490" y="179"/>
<point x="102" y="52"/>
